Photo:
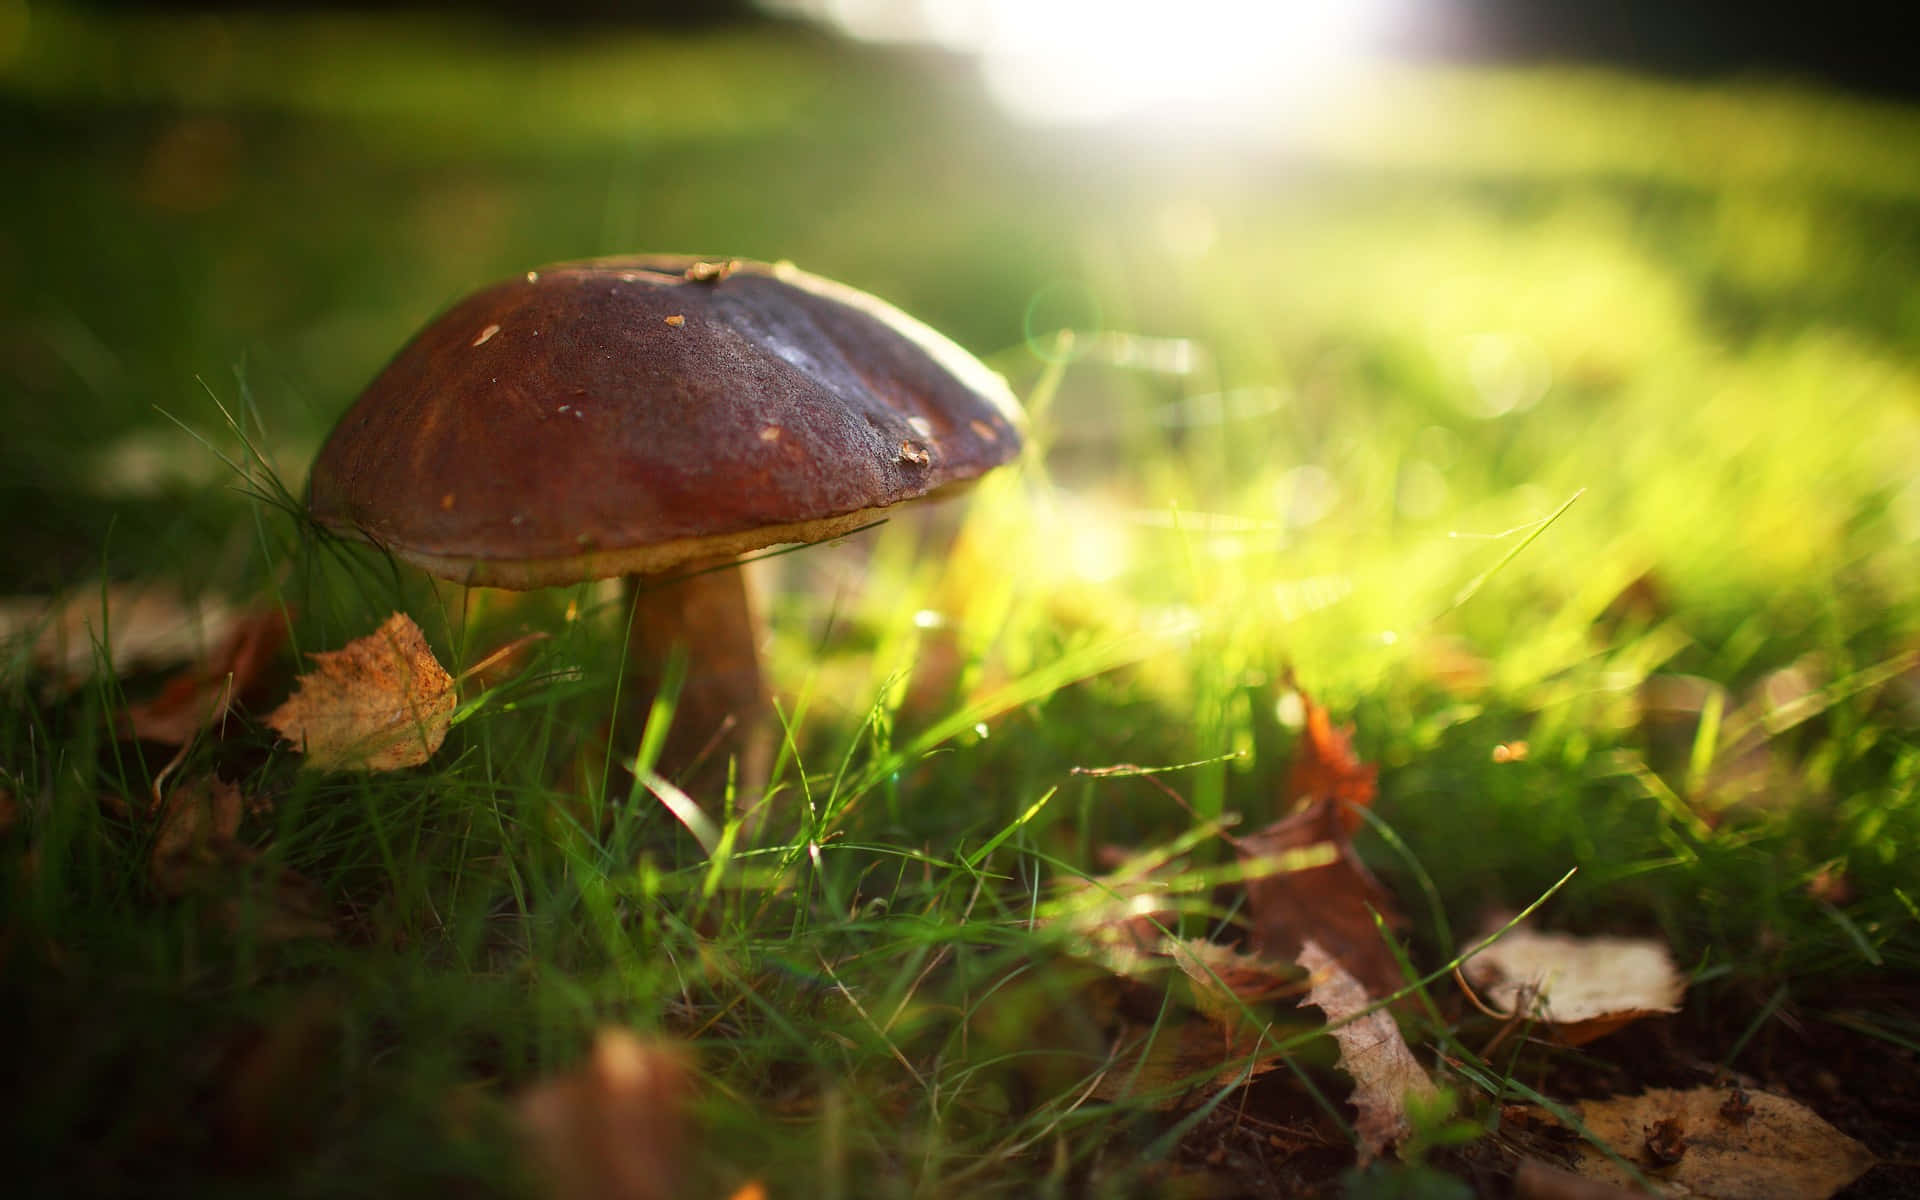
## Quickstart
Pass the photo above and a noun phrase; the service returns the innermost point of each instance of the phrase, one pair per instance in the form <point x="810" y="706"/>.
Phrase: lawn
<point x="1557" y="431"/>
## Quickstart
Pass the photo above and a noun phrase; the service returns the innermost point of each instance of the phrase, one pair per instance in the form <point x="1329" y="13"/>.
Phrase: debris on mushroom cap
<point x="611" y="417"/>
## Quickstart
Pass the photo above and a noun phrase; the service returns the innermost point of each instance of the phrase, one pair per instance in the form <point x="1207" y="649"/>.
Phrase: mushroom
<point x="656" y="417"/>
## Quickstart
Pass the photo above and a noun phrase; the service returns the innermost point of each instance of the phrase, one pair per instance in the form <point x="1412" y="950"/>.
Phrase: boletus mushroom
<point x="654" y="417"/>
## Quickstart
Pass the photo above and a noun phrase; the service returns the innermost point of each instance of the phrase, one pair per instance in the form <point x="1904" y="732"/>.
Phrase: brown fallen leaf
<point x="199" y="827"/>
<point x="1225" y="984"/>
<point x="1120" y="921"/>
<point x="197" y="850"/>
<point x="1778" y="1151"/>
<point x="276" y="906"/>
<point x="1582" y="988"/>
<point x="613" y="1128"/>
<point x="1325" y="768"/>
<point x="1211" y="1036"/>
<point x="1305" y="881"/>
<point x="200" y="696"/>
<point x="1830" y="884"/>
<point x="1177" y="1065"/>
<point x="1180" y="1061"/>
<point x="1372" y="1051"/>
<point x="1303" y="878"/>
<point x="265" y="1076"/>
<point x="136" y="626"/>
<point x="379" y="703"/>
<point x="1536" y="1180"/>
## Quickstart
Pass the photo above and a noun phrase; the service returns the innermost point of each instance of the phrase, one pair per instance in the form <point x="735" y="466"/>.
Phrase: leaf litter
<point x="1315" y="920"/>
<point x="1716" y="1144"/>
<point x="1372" y="1051"/>
<point x="1310" y="904"/>
<point x="379" y="703"/>
<point x="197" y="850"/>
<point x="1582" y="987"/>
<point x="201" y="696"/>
<point x="1305" y="881"/>
<point x="616" y="1126"/>
<point x="1315" y="917"/>
<point x="133" y="627"/>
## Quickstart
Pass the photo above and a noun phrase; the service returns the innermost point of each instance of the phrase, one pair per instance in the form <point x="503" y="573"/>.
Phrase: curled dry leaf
<point x="1305" y="882"/>
<point x="1372" y="1051"/>
<point x="1303" y="878"/>
<point x="379" y="703"/>
<point x="200" y="696"/>
<point x="1777" y="1151"/>
<point x="1583" y="988"/>
<point x="1325" y="768"/>
<point x="613" y="1128"/>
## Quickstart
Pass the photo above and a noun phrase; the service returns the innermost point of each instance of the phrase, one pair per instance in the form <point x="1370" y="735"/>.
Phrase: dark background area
<point x="1860" y="45"/>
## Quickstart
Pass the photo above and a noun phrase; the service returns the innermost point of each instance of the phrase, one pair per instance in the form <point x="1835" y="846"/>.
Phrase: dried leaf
<point x="1177" y="1065"/>
<point x="1119" y="921"/>
<point x="379" y="703"/>
<point x="1305" y="882"/>
<point x="1372" y="1051"/>
<point x="200" y="696"/>
<point x="1583" y="988"/>
<point x="198" y="850"/>
<point x="613" y="1128"/>
<point x="1303" y="878"/>
<point x="199" y="824"/>
<point x="265" y="1076"/>
<point x="280" y="906"/>
<point x="137" y="626"/>
<point x="1169" y="1056"/>
<point x="1226" y="983"/>
<point x="1778" y="1150"/>
<point x="1326" y="769"/>
<point x="1536" y="1180"/>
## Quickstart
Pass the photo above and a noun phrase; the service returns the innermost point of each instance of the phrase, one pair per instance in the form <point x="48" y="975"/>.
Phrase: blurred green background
<point x="1438" y="287"/>
<point x="1332" y="357"/>
<point x="1326" y="353"/>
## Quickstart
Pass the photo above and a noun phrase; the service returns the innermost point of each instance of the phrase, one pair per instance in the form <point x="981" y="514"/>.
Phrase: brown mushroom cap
<point x="629" y="415"/>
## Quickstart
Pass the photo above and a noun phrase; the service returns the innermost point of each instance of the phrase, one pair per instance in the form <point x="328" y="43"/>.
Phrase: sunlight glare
<point x="1067" y="62"/>
<point x="1085" y="61"/>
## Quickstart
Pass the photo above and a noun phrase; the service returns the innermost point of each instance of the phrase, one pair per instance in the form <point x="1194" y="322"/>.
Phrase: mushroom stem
<point x="722" y="716"/>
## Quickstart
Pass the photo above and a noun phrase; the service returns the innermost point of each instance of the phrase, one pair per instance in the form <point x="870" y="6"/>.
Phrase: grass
<point x="1328" y="390"/>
